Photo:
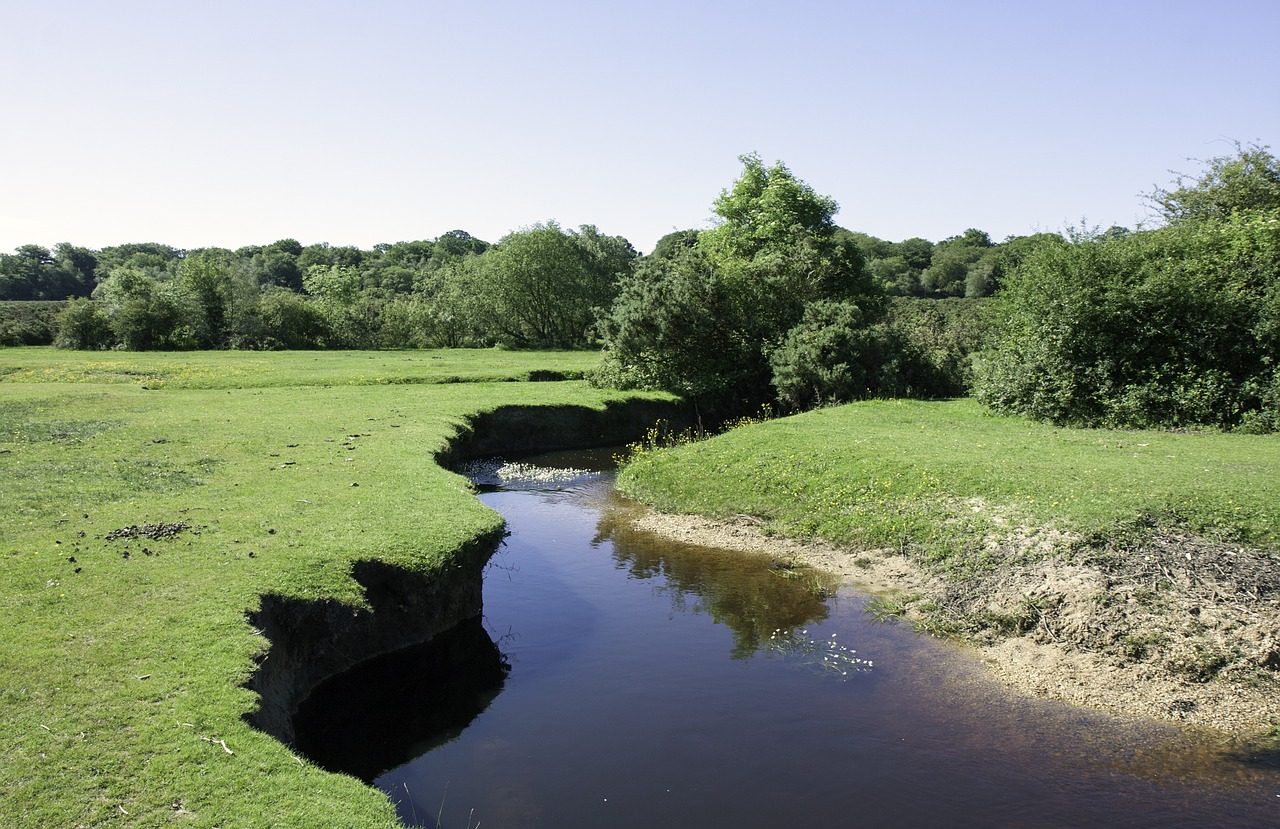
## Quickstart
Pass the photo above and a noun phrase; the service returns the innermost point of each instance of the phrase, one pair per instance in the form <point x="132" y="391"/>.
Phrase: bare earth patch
<point x="1180" y="628"/>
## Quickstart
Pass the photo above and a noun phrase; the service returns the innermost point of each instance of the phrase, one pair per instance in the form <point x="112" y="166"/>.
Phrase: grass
<point x="240" y="369"/>
<point x="120" y="678"/>
<point x="944" y="479"/>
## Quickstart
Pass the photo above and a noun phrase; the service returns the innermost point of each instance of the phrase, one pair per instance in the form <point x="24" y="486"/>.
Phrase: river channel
<point x="617" y="679"/>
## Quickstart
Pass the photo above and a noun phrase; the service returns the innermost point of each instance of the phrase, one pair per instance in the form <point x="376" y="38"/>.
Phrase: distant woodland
<point x="1175" y="324"/>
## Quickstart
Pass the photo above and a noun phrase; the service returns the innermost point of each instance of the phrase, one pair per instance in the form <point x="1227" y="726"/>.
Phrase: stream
<point x="618" y="679"/>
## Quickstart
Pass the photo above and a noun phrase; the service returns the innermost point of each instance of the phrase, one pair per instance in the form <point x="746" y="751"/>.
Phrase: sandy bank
<point x="1184" y="630"/>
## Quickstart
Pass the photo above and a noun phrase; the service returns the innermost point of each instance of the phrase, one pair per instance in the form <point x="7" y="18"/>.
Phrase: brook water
<point x="621" y="680"/>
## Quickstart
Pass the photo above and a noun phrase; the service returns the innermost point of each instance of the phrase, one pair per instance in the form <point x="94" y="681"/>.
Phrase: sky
<point x="355" y="123"/>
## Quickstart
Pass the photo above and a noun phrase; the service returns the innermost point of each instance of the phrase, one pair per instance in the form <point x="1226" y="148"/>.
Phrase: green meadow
<point x="125" y="654"/>
<point x="938" y="478"/>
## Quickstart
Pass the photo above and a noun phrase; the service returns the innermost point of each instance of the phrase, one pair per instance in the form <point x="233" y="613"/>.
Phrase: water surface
<point x="634" y="682"/>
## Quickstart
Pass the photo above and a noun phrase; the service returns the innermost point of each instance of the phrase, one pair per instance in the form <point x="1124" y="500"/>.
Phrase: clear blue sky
<point x="234" y="123"/>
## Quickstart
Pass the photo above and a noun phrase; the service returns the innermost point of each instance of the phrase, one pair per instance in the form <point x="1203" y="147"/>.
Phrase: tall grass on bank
<point x="942" y="479"/>
<point x="145" y="517"/>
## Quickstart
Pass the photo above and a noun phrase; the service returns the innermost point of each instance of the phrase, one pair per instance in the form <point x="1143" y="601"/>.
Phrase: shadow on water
<point x="399" y="706"/>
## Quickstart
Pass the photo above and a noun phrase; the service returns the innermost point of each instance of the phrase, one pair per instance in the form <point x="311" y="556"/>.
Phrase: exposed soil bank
<point x="1180" y="629"/>
<point x="311" y="641"/>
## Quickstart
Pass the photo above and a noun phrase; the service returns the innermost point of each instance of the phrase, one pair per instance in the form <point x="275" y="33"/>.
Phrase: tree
<point x="704" y="321"/>
<point x="670" y="246"/>
<point x="542" y="287"/>
<point x="22" y="273"/>
<point x="205" y="276"/>
<point x="1246" y="181"/>
<point x="83" y="326"/>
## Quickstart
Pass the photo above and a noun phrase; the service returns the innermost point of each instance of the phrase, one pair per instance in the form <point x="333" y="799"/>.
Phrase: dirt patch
<point x="155" y="532"/>
<point x="1176" y="627"/>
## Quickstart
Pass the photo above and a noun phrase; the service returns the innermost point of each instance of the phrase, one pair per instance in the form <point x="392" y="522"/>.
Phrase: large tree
<point x="703" y="319"/>
<point x="542" y="287"/>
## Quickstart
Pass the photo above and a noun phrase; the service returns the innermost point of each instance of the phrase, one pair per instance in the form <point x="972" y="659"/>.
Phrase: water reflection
<point x="752" y="595"/>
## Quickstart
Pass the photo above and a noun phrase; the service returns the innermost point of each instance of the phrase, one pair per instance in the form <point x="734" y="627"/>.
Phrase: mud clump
<point x="155" y="532"/>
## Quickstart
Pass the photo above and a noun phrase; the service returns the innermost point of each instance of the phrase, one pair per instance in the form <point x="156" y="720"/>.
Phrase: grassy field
<point x="121" y="672"/>
<point x="935" y="476"/>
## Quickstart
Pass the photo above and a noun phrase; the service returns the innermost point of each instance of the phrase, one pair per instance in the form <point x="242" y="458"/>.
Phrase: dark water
<point x="620" y="680"/>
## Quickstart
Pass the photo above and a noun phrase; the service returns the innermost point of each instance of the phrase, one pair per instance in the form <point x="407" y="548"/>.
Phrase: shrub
<point x="29" y="322"/>
<point x="831" y="356"/>
<point x="1175" y="327"/>
<point x="83" y="326"/>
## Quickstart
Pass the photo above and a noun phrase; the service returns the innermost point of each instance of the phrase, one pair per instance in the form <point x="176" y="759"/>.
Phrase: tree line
<point x="1173" y="325"/>
<point x="539" y="287"/>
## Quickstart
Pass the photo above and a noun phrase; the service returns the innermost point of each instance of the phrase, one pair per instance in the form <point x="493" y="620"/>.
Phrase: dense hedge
<point x="29" y="323"/>
<point x="1176" y="327"/>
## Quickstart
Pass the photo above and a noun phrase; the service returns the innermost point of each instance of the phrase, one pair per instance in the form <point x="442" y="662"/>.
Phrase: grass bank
<point x="152" y="501"/>
<point x="1152" y="551"/>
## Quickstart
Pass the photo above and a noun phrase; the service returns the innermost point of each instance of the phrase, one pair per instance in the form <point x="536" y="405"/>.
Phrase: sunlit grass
<point x="121" y="672"/>
<point x="255" y="369"/>
<point x="949" y="482"/>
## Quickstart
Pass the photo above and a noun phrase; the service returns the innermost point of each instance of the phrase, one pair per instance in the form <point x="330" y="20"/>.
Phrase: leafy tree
<point x="22" y="273"/>
<point x="457" y="244"/>
<point x="1246" y="181"/>
<point x="327" y="255"/>
<point x="705" y="321"/>
<point x="542" y="287"/>
<point x="286" y="320"/>
<point x="335" y="284"/>
<point x="916" y="252"/>
<point x="157" y="260"/>
<point x="83" y="326"/>
<point x="273" y="264"/>
<point x="896" y="276"/>
<point x="205" y="277"/>
<point x="960" y="266"/>
<point x="670" y="246"/>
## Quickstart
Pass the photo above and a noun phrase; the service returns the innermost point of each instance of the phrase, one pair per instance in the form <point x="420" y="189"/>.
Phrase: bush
<point x="285" y="320"/>
<point x="1171" y="328"/>
<point x="29" y="323"/>
<point x="831" y="356"/>
<point x="933" y="342"/>
<point x="83" y="326"/>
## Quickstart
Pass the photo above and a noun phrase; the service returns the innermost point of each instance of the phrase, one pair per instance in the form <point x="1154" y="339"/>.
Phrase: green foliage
<point x="29" y="323"/>
<point x="932" y="343"/>
<point x="83" y="326"/>
<point x="703" y="318"/>
<point x="33" y="272"/>
<point x="1173" y="328"/>
<point x="285" y="320"/>
<point x="543" y="286"/>
<point x="1244" y="182"/>
<point x="831" y="356"/>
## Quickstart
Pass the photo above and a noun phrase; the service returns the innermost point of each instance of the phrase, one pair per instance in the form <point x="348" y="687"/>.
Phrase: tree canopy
<point x="704" y="317"/>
